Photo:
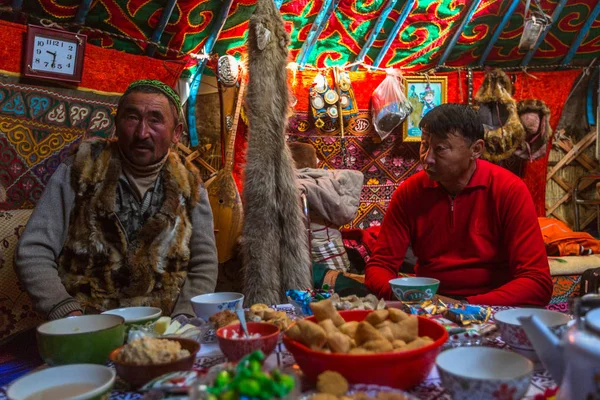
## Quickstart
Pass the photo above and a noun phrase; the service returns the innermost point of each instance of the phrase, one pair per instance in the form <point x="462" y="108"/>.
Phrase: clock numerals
<point x="57" y="56"/>
<point x="54" y="54"/>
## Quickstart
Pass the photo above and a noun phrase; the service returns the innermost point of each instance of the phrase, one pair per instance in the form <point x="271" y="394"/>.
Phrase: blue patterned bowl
<point x="207" y="305"/>
<point x="484" y="373"/>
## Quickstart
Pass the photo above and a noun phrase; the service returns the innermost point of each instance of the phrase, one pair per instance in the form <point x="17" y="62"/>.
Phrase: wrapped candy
<point x="301" y="299"/>
<point x="466" y="314"/>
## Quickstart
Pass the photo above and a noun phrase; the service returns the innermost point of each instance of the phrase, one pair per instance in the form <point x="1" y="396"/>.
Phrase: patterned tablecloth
<point x="210" y="355"/>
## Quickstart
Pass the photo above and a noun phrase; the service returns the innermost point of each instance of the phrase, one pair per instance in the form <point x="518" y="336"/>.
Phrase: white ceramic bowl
<point x="514" y="335"/>
<point x="476" y="373"/>
<point x="207" y="305"/>
<point x="97" y="379"/>
<point x="137" y="315"/>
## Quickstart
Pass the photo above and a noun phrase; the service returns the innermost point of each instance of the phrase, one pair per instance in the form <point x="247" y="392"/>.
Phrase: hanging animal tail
<point x="274" y="244"/>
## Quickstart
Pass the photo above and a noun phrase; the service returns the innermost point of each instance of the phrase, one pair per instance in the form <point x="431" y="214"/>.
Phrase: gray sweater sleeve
<point x="41" y="243"/>
<point x="203" y="266"/>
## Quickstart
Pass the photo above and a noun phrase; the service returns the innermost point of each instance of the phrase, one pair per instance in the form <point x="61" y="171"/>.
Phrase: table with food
<point x="320" y="346"/>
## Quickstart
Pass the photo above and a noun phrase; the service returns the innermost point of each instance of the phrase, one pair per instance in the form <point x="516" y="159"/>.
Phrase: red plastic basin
<point x="402" y="370"/>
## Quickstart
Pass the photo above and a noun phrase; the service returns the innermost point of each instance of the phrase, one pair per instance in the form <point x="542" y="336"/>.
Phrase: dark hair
<point x="458" y="119"/>
<point x="304" y="155"/>
<point x="177" y="113"/>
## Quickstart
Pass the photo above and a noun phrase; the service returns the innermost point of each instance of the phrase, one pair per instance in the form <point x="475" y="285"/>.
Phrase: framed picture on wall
<point x="424" y="95"/>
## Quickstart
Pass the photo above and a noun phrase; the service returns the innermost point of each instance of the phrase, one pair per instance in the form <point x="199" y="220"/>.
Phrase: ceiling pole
<point x="317" y="27"/>
<point x="375" y="31"/>
<point x="394" y="32"/>
<point x="498" y="31"/>
<point x="533" y="50"/>
<point x="82" y="11"/>
<point x="208" y="46"/>
<point x="160" y="27"/>
<point x="459" y="31"/>
<point x="591" y="117"/>
<point x="582" y="34"/>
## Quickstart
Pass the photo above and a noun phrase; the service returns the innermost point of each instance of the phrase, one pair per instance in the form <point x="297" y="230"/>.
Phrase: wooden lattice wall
<point x="568" y="160"/>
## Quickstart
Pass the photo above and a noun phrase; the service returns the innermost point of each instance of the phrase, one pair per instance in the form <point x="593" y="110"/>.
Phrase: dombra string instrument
<point x="223" y="194"/>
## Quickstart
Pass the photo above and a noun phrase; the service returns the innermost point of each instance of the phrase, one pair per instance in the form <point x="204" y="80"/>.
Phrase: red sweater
<point x="485" y="245"/>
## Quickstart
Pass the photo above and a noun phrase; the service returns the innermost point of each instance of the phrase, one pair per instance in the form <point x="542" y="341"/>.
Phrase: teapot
<point x="574" y="361"/>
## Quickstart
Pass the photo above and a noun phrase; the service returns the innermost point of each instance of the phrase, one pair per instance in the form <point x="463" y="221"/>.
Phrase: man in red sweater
<point x="472" y="224"/>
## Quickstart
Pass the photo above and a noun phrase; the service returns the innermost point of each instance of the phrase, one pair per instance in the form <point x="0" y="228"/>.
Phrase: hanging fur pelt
<point x="274" y="242"/>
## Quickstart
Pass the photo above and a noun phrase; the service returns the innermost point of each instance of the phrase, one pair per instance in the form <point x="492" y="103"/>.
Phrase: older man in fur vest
<point x="122" y="223"/>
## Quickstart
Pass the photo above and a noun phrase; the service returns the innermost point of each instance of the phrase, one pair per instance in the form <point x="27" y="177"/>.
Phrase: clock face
<point x="54" y="55"/>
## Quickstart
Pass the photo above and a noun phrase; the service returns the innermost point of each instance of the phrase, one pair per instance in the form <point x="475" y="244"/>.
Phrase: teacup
<point x="80" y="381"/>
<point x="514" y="335"/>
<point x="136" y="315"/>
<point x="414" y="289"/>
<point x="207" y="305"/>
<point x="484" y="373"/>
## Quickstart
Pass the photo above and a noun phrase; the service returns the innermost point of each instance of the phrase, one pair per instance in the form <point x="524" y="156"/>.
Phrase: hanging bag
<point x="389" y="106"/>
<point x="534" y="26"/>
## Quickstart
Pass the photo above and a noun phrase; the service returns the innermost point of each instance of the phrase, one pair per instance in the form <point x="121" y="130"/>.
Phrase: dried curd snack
<point x="324" y="309"/>
<point x="224" y="318"/>
<point x="332" y="382"/>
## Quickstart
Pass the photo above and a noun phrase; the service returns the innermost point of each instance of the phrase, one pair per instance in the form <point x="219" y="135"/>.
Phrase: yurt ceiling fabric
<point x="456" y="32"/>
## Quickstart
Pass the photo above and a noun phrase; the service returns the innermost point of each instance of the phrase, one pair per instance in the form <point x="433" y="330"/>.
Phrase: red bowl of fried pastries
<point x="384" y="347"/>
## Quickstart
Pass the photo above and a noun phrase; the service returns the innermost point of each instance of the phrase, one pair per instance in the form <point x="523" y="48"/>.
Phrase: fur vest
<point x="98" y="266"/>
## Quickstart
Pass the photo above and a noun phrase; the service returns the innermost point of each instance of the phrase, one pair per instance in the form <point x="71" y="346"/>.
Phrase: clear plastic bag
<point x="389" y="106"/>
<point x="531" y="32"/>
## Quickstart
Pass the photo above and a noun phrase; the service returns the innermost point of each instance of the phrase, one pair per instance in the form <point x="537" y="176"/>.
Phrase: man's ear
<point x="477" y="149"/>
<point x="177" y="133"/>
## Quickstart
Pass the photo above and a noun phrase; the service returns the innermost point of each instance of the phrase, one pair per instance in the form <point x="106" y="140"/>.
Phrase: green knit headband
<point x="164" y="89"/>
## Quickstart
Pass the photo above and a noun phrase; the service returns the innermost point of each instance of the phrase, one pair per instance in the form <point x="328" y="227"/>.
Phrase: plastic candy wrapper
<point x="389" y="106"/>
<point x="246" y="380"/>
<point x="173" y="382"/>
<point x="472" y="335"/>
<point x="427" y="308"/>
<point x="467" y="314"/>
<point x="301" y="299"/>
<point x="180" y="326"/>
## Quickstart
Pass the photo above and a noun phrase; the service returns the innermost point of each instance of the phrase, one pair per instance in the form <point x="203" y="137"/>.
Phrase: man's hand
<point x="75" y="313"/>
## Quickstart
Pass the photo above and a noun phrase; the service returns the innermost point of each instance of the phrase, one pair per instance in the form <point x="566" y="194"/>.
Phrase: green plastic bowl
<point x="80" y="340"/>
<point x="413" y="289"/>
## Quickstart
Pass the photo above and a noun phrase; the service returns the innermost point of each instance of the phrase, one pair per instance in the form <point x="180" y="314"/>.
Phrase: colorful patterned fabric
<point x="385" y="164"/>
<point x="16" y="309"/>
<point x="565" y="287"/>
<point x="422" y="39"/>
<point x="104" y="70"/>
<point x="38" y="129"/>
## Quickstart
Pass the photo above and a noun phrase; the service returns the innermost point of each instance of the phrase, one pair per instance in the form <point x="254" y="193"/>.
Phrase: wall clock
<point x="54" y="54"/>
